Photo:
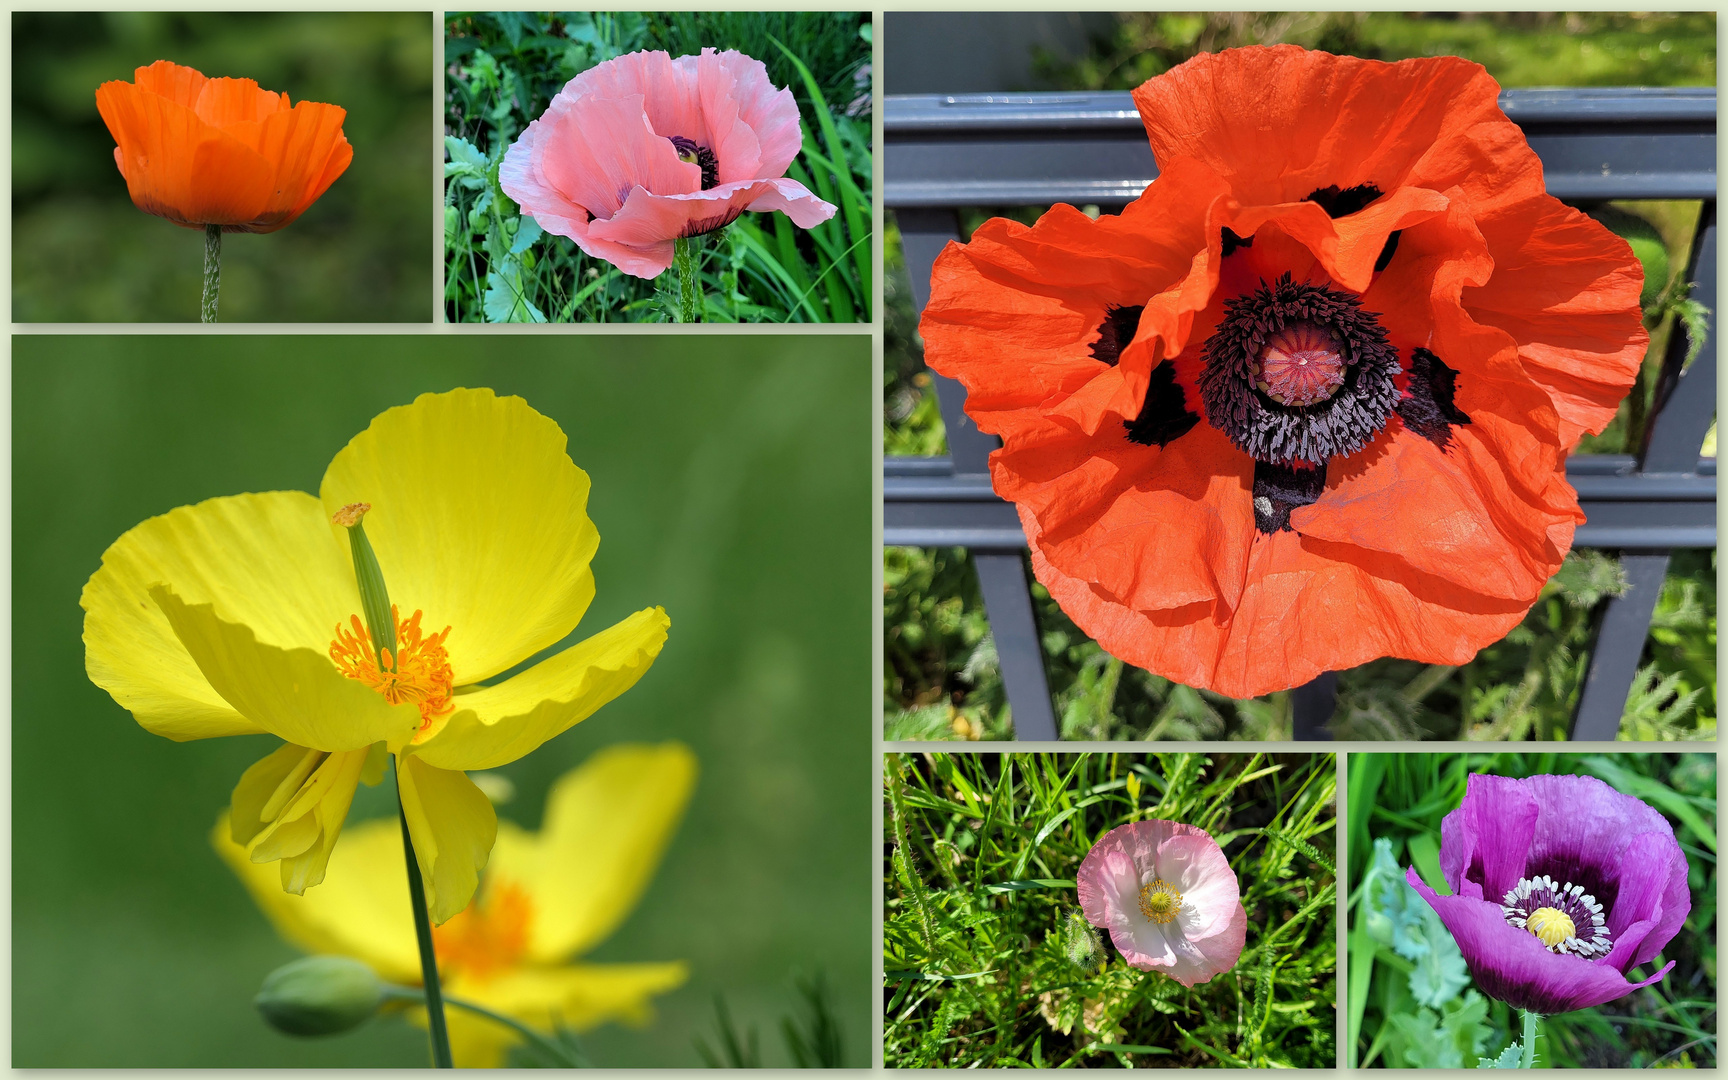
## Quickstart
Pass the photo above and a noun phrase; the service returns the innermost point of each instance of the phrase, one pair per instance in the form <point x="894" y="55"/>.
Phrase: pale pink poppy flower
<point x="644" y="149"/>
<point x="1168" y="897"/>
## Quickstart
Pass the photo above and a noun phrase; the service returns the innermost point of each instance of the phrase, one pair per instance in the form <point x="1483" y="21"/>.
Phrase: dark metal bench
<point x="1006" y="150"/>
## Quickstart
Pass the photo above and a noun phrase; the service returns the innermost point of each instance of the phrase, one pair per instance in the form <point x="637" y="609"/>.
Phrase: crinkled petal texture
<point x="222" y="152"/>
<point x="1415" y="547"/>
<point x="600" y="166"/>
<point x="606" y="827"/>
<point x="1576" y="830"/>
<point x="1204" y="937"/>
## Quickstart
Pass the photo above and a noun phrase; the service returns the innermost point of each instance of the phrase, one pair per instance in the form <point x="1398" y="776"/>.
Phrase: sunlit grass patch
<point x="989" y="964"/>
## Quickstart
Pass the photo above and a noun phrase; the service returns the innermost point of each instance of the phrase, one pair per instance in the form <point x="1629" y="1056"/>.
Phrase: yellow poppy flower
<point x="240" y="615"/>
<point x="547" y="897"/>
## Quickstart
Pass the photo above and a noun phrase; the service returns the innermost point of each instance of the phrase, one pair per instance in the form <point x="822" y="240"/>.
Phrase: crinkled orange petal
<point x="223" y="152"/>
<point x="1567" y="290"/>
<point x="1281" y="122"/>
<point x="1415" y="548"/>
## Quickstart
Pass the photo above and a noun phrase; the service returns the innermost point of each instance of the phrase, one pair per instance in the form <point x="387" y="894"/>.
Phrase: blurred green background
<point x="82" y="252"/>
<point x="731" y="484"/>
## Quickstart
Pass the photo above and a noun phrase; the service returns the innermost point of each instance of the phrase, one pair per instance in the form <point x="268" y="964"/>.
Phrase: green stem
<point x="1529" y="1059"/>
<point x="689" y="282"/>
<point x="212" y="269"/>
<point x="557" y="1055"/>
<point x="423" y="932"/>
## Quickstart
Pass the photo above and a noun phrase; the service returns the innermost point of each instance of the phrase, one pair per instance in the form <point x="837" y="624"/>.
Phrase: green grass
<point x="988" y="963"/>
<point x="1425" y="1013"/>
<point x="505" y="67"/>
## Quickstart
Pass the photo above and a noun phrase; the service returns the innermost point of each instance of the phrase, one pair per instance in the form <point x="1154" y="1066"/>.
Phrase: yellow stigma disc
<point x="1160" y="901"/>
<point x="1550" y="925"/>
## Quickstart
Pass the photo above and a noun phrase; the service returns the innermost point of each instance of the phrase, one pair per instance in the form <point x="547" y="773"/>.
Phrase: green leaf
<point x="1030" y="883"/>
<point x="1440" y="972"/>
<point x="1509" y="1058"/>
<point x="467" y="165"/>
<point x="527" y="231"/>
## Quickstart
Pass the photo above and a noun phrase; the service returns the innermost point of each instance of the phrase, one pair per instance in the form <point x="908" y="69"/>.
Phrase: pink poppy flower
<point x="1168" y="897"/>
<point x="642" y="150"/>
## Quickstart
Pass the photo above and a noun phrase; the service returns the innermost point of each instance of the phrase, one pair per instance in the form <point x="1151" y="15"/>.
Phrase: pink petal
<point x="1147" y="945"/>
<point x="771" y="114"/>
<point x="1207" y="957"/>
<point x="648" y="218"/>
<point x="1198" y="869"/>
<point x="1109" y="888"/>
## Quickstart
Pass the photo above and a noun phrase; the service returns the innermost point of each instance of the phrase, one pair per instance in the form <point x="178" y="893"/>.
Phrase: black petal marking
<point x="1388" y="251"/>
<point x="1263" y="428"/>
<point x="1279" y="489"/>
<point x="1343" y="203"/>
<point x="1115" y="332"/>
<point x="1164" y="416"/>
<point x="1427" y="407"/>
<point x="1232" y="242"/>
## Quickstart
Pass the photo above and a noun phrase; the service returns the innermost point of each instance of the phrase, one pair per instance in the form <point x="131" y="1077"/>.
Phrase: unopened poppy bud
<point x="320" y="995"/>
<point x="1080" y="942"/>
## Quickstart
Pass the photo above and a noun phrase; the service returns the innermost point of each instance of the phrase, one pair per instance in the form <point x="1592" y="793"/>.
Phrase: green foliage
<point x="1547" y="48"/>
<point x="1398" y="1017"/>
<point x="82" y="252"/>
<point x="505" y="67"/>
<point x="989" y="963"/>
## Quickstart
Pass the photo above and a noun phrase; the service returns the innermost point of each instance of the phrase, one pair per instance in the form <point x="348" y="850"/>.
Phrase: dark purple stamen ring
<point x="1279" y="434"/>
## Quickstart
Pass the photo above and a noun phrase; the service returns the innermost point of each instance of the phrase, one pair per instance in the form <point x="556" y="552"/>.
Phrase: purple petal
<point x="1483" y="843"/>
<point x="1511" y="965"/>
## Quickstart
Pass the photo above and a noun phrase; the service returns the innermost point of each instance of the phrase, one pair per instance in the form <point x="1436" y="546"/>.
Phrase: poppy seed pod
<point x="1560" y="886"/>
<point x="1307" y="401"/>
<point x="201" y="151"/>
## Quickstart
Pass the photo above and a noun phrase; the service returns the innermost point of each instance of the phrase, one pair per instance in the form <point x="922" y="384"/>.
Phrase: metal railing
<point x="945" y="153"/>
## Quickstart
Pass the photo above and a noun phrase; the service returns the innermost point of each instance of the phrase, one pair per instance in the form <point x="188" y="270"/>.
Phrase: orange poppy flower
<point x="1307" y="401"/>
<point x="222" y="152"/>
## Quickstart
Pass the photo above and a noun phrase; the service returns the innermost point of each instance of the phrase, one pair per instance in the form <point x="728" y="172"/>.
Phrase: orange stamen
<point x="489" y="936"/>
<point x="417" y="672"/>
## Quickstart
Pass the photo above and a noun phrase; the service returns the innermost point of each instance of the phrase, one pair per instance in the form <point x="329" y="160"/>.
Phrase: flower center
<point x="417" y="671"/>
<point x="1564" y="918"/>
<point x="1160" y="901"/>
<point x="692" y="154"/>
<point x="1300" y="365"/>
<point x="490" y="935"/>
<point x="1551" y="926"/>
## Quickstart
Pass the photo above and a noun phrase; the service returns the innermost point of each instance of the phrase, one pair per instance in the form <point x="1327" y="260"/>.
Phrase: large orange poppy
<point x="1307" y="401"/>
<point x="222" y="152"/>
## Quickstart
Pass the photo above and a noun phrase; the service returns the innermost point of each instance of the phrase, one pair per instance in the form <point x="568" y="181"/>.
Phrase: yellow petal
<point x="294" y="693"/>
<point x="302" y="832"/>
<point x="360" y="910"/>
<point x="495" y="725"/>
<point x="606" y="826"/>
<point x="479" y="519"/>
<point x="264" y="560"/>
<point x="579" y="997"/>
<point x="453" y="826"/>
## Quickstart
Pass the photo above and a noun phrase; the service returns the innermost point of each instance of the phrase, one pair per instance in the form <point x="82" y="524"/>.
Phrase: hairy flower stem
<point x="1528" y="1061"/>
<point x="423" y="933"/>
<point x="212" y="269"/>
<point x="689" y="282"/>
<point x="908" y="872"/>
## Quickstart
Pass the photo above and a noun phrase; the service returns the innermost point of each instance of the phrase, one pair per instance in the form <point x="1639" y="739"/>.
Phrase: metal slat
<point x="1685" y="403"/>
<point x="1641" y="511"/>
<point x="1033" y="150"/>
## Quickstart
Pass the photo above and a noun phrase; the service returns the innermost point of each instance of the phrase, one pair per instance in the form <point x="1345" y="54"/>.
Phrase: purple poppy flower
<point x="1560" y="886"/>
